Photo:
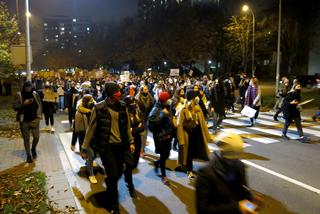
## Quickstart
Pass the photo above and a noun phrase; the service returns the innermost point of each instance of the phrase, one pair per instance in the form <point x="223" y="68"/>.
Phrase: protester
<point x="83" y="113"/>
<point x="281" y="94"/>
<point x="217" y="103"/>
<point x="221" y="185"/>
<point x="28" y="106"/>
<point x="109" y="126"/>
<point x="253" y="98"/>
<point x="242" y="88"/>
<point x="60" y="91"/>
<point x="50" y="99"/>
<point x="291" y="112"/>
<point x="193" y="134"/>
<point x="72" y="92"/>
<point x="160" y="124"/>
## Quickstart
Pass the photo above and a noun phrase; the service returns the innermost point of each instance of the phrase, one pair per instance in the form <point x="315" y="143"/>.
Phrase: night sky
<point x="98" y="10"/>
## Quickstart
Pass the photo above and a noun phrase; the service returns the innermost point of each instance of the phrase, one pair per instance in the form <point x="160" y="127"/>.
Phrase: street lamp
<point x="278" y="50"/>
<point x="28" y="46"/>
<point x="246" y="8"/>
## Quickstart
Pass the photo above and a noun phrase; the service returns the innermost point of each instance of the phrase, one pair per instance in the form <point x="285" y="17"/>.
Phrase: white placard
<point x="125" y="77"/>
<point x="174" y="72"/>
<point x="248" y="111"/>
<point x="190" y="73"/>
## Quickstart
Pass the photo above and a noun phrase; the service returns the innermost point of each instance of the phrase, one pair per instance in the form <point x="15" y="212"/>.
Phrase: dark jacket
<point x="99" y="129"/>
<point x="217" y="100"/>
<point x="160" y="124"/>
<point x="290" y="111"/>
<point x="220" y="185"/>
<point x="19" y="107"/>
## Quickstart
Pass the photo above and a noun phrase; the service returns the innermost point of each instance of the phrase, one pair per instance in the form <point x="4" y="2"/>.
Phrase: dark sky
<point x="97" y="9"/>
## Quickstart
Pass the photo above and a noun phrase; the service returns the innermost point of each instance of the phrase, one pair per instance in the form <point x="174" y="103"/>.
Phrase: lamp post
<point x="278" y="50"/>
<point x="28" y="46"/>
<point x="246" y="8"/>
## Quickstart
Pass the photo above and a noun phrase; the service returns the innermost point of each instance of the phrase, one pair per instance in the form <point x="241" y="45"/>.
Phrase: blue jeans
<point x="61" y="102"/>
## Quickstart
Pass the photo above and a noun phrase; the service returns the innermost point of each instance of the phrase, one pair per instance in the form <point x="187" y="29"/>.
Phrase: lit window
<point x="62" y="28"/>
<point x="79" y="51"/>
<point x="45" y="24"/>
<point x="57" y="40"/>
<point x="62" y="47"/>
<point x="47" y="40"/>
<point x="61" y="33"/>
<point x="74" y="20"/>
<point x="75" y="36"/>
<point x="88" y="28"/>
<point x="57" y="36"/>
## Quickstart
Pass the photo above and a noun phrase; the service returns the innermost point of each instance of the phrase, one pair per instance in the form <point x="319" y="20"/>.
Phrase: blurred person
<point x="85" y="106"/>
<point x="28" y="106"/>
<point x="291" y="112"/>
<point x="50" y="99"/>
<point x="281" y="94"/>
<point x="193" y="134"/>
<point x="221" y="185"/>
<point x="71" y="94"/>
<point x="217" y="103"/>
<point x="230" y="97"/>
<point x="160" y="124"/>
<point x="242" y="88"/>
<point x="145" y="102"/>
<point x="60" y="92"/>
<point x="109" y="126"/>
<point x="253" y="98"/>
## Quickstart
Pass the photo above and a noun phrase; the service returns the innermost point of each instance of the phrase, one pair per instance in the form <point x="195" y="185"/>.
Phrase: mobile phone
<point x="250" y="206"/>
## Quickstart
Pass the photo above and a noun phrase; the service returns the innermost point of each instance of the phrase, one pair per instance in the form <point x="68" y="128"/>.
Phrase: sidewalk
<point x="49" y="161"/>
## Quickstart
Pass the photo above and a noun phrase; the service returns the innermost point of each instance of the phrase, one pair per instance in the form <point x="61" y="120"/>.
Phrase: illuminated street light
<point x="28" y="45"/>
<point x="28" y="14"/>
<point x="209" y="62"/>
<point x="165" y="63"/>
<point x="246" y="8"/>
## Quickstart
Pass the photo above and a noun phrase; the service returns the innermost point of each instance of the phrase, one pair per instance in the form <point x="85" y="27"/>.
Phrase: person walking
<point x="60" y="92"/>
<point x="160" y="124"/>
<point x="49" y="100"/>
<point x="109" y="126"/>
<point x="145" y="102"/>
<point x="283" y="90"/>
<point x="291" y="112"/>
<point x="221" y="185"/>
<point x="193" y="134"/>
<point x="28" y="106"/>
<point x="217" y="103"/>
<point x="253" y="98"/>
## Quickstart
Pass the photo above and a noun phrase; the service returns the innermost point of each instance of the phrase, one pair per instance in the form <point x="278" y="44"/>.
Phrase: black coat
<point x="220" y="186"/>
<point x="290" y="111"/>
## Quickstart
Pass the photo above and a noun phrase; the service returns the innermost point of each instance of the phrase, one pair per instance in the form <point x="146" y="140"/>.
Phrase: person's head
<point x="112" y="91"/>
<point x="297" y="88"/>
<point x="196" y="88"/>
<point x="192" y="96"/>
<point x="145" y="89"/>
<point x="131" y="104"/>
<point x="88" y="101"/>
<point x="164" y="98"/>
<point x="254" y="81"/>
<point x="181" y="93"/>
<point x="27" y="86"/>
<point x="231" y="145"/>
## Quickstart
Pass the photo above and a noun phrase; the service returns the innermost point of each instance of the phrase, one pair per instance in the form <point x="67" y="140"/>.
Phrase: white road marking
<point x="286" y="178"/>
<point x="64" y="121"/>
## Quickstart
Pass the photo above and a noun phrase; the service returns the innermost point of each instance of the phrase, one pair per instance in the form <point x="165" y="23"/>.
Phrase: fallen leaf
<point x="16" y="193"/>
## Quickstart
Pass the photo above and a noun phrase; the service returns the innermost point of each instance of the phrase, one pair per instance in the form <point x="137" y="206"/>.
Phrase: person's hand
<point x="212" y="109"/>
<point x="245" y="209"/>
<point x="132" y="148"/>
<point x="84" y="154"/>
<point x="165" y="111"/>
<point x="28" y="101"/>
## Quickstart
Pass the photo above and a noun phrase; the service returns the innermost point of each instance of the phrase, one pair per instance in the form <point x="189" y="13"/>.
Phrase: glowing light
<point x="245" y="8"/>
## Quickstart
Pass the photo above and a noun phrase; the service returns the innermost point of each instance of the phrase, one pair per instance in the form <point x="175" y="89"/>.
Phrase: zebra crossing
<point x="266" y="131"/>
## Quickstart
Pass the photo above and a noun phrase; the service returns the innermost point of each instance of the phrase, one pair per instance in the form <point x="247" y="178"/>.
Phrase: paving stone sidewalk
<point x="49" y="161"/>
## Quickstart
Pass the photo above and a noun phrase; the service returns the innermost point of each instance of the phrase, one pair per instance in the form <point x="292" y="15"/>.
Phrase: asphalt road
<point x="285" y="172"/>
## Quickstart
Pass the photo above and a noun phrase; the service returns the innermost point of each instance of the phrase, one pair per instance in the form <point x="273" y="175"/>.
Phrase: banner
<point x="248" y="111"/>
<point x="174" y="72"/>
<point x="125" y="78"/>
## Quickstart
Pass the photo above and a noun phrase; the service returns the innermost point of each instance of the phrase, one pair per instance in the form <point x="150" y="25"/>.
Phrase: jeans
<point x="30" y="127"/>
<point x="217" y="120"/>
<point x="61" y="102"/>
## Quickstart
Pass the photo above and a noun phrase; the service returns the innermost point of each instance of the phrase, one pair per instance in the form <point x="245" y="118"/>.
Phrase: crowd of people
<point x="111" y="119"/>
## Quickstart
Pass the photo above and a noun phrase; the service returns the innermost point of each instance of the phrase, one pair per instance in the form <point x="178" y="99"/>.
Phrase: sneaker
<point x="52" y="129"/>
<point x="34" y="153"/>
<point x="73" y="148"/>
<point x="284" y="136"/>
<point x="93" y="179"/>
<point x="29" y="159"/>
<point x="304" y="139"/>
<point x="165" y="180"/>
<point x="191" y="176"/>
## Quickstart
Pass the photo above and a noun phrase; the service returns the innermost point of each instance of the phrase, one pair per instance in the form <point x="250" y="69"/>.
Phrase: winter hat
<point x="111" y="88"/>
<point x="164" y="96"/>
<point x="231" y="145"/>
<point x="191" y="94"/>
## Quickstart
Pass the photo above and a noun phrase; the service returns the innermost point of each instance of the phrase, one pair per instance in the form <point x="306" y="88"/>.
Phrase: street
<point x="286" y="172"/>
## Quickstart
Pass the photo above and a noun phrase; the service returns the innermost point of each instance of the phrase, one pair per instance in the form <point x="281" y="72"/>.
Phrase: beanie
<point x="191" y="94"/>
<point x="111" y="88"/>
<point x="163" y="96"/>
